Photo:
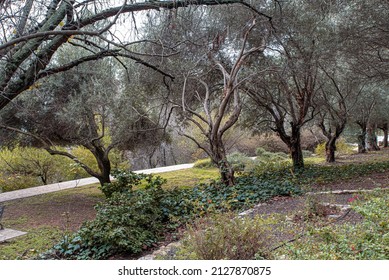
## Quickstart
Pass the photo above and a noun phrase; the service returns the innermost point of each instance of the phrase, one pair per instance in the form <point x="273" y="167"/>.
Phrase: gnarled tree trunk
<point x="330" y="150"/>
<point x="295" y="150"/>
<point x="219" y="157"/>
<point x="371" y="137"/>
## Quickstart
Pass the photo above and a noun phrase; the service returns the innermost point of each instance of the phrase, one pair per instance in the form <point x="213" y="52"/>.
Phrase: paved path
<point x="8" y="233"/>
<point x="78" y="183"/>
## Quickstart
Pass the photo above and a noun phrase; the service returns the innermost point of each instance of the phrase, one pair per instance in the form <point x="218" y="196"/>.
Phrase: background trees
<point x="196" y="66"/>
<point x="34" y="31"/>
<point x="85" y="106"/>
<point x="288" y="82"/>
<point x="213" y="51"/>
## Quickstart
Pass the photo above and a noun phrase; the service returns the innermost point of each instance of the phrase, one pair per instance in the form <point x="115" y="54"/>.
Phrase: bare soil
<point x="66" y="212"/>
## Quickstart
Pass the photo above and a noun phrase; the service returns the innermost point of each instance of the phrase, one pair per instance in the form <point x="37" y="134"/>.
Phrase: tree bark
<point x="296" y="152"/>
<point x="219" y="157"/>
<point x="371" y="138"/>
<point x="105" y="171"/>
<point x="330" y="150"/>
<point x="362" y="143"/>
<point x="294" y="144"/>
<point x="103" y="162"/>
<point x="362" y="138"/>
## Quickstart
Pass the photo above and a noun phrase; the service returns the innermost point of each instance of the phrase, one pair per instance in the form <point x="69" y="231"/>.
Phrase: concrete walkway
<point x="78" y="183"/>
<point x="8" y="233"/>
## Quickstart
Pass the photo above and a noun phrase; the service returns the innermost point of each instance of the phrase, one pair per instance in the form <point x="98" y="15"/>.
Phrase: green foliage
<point x="24" y="167"/>
<point x="313" y="208"/>
<point x="239" y="161"/>
<point x="247" y="191"/>
<point x="132" y="218"/>
<point x="313" y="173"/>
<point x="204" y="163"/>
<point x="367" y="240"/>
<point x="267" y="160"/>
<point x="263" y="155"/>
<point x="341" y="148"/>
<point x="226" y="237"/>
<point x="124" y="223"/>
<point x="127" y="221"/>
<point x="12" y="182"/>
<point x="321" y="149"/>
<point x="259" y="151"/>
<point x="124" y="182"/>
<point x="307" y="153"/>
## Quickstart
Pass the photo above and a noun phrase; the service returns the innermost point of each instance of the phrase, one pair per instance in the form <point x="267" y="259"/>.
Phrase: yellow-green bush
<point x="204" y="163"/>
<point x="341" y="148"/>
<point x="24" y="167"/>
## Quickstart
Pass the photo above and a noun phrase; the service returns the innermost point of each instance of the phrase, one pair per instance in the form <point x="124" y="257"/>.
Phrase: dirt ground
<point x="66" y="211"/>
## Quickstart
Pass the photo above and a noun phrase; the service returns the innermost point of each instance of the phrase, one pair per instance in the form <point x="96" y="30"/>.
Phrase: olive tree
<point x="32" y="32"/>
<point x="86" y="106"/>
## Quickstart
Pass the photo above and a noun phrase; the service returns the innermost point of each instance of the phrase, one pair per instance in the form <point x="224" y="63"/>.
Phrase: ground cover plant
<point x="228" y="236"/>
<point x="132" y="208"/>
<point x="367" y="240"/>
<point x="133" y="219"/>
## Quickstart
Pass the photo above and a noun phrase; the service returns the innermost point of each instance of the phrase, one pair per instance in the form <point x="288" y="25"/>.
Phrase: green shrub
<point x="13" y="182"/>
<point x="124" y="223"/>
<point x="307" y="153"/>
<point x="124" y="182"/>
<point x="239" y="161"/>
<point x="127" y="221"/>
<point x="204" y="163"/>
<point x="25" y="167"/>
<point x="259" y="151"/>
<point x="226" y="237"/>
<point x="131" y="219"/>
<point x="341" y="148"/>
<point x="264" y="156"/>
<point x="247" y="191"/>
